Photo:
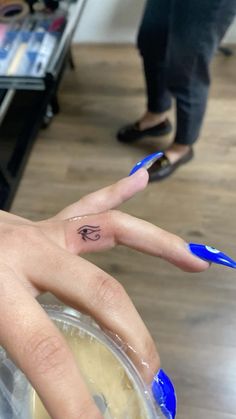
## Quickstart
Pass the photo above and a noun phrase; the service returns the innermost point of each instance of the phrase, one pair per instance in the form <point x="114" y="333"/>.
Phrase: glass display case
<point x="33" y="48"/>
<point x="34" y="52"/>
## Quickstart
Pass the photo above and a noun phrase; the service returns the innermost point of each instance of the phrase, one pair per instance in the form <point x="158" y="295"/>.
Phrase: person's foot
<point x="174" y="157"/>
<point x="149" y="124"/>
<point x="150" y="119"/>
<point x="176" y="152"/>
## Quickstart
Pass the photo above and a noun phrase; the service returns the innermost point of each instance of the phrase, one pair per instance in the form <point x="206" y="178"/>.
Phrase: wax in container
<point x="112" y="380"/>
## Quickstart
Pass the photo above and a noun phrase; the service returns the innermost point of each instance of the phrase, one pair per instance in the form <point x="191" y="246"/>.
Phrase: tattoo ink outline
<point x="87" y="230"/>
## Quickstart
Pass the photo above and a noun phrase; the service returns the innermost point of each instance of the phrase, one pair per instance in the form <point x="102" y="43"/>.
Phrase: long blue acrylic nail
<point x="210" y="254"/>
<point x="164" y="394"/>
<point x="146" y="162"/>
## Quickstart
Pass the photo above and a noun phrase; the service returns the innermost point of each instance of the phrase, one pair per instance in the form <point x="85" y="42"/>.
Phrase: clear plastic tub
<point x="113" y="381"/>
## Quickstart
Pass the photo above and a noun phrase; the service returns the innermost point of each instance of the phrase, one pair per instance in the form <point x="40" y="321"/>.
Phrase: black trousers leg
<point x="196" y="28"/>
<point x="177" y="40"/>
<point x="152" y="43"/>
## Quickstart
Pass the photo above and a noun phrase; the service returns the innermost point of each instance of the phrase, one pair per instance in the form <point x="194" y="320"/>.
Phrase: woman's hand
<point x="36" y="257"/>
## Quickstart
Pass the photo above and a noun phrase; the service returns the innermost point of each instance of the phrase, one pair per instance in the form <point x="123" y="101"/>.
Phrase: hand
<point x="36" y="257"/>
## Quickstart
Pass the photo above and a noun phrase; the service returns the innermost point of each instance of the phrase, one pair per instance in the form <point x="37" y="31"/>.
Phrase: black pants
<point x="177" y="40"/>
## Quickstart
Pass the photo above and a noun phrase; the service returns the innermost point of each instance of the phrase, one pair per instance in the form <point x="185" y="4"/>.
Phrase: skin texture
<point x="36" y="257"/>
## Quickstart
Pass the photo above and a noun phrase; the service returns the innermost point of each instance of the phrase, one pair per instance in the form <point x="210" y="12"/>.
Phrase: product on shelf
<point x="27" y="46"/>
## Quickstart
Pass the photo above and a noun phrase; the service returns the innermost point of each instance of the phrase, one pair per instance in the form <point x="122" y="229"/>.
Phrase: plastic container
<point x="113" y="381"/>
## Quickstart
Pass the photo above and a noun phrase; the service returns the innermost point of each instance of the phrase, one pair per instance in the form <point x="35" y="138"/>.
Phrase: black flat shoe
<point x="163" y="168"/>
<point x="131" y="133"/>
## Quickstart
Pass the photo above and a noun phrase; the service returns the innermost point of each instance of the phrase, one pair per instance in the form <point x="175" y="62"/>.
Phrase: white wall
<point x="116" y="21"/>
<point x="231" y="34"/>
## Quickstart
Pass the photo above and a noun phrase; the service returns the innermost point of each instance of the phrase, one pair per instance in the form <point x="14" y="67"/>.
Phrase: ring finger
<point x="87" y="288"/>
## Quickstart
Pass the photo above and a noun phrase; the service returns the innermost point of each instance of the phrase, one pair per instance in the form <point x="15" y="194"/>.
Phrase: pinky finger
<point x="38" y="348"/>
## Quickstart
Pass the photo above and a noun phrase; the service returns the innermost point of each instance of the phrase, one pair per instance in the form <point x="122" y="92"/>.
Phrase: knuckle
<point x="46" y="353"/>
<point x="115" y="218"/>
<point x="9" y="234"/>
<point x="18" y="234"/>
<point x="30" y="233"/>
<point x="109" y="293"/>
<point x="115" y="215"/>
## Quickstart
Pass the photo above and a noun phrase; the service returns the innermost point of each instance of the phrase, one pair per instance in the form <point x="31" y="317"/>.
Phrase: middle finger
<point x="103" y="231"/>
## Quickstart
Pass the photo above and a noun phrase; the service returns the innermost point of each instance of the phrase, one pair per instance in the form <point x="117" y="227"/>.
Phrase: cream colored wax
<point x="104" y="375"/>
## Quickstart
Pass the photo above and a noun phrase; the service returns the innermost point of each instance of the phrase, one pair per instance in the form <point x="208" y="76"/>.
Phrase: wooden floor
<point x="191" y="316"/>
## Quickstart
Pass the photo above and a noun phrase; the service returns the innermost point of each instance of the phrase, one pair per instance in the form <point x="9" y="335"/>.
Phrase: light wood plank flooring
<point x="191" y="316"/>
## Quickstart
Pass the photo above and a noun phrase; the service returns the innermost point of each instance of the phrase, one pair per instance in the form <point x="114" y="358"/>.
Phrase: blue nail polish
<point x="146" y="162"/>
<point x="210" y="254"/>
<point x="164" y="394"/>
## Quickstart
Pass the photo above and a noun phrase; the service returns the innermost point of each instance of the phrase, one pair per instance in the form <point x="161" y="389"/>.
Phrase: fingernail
<point x="164" y="394"/>
<point x="146" y="162"/>
<point x="210" y="254"/>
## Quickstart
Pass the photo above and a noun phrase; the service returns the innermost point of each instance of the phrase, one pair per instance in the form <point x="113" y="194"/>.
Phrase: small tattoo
<point x="88" y="232"/>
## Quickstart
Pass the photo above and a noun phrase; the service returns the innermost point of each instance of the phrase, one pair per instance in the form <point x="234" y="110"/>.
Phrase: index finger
<point x="107" y="198"/>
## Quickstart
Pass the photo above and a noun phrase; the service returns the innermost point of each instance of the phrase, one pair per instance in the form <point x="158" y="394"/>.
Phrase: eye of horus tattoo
<point x="89" y="232"/>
